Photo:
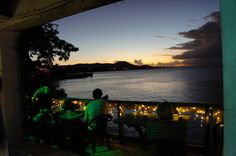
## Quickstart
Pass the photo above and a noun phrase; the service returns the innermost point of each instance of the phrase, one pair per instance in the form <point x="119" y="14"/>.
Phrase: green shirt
<point x="42" y="90"/>
<point x="94" y="109"/>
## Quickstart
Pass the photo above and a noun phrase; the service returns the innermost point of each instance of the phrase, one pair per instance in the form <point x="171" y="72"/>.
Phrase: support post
<point x="120" y="125"/>
<point x="11" y="102"/>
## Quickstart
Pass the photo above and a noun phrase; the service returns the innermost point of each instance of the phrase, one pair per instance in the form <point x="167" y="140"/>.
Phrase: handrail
<point x="210" y="114"/>
<point x="207" y="109"/>
<point x="191" y="104"/>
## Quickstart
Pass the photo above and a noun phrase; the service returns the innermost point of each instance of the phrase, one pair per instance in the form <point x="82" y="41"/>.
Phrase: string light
<point x="150" y="110"/>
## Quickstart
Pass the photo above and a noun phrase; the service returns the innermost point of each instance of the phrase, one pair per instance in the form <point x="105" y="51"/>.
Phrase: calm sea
<point x="196" y="85"/>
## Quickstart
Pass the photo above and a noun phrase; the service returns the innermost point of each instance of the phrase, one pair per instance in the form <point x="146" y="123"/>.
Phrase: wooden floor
<point x="34" y="149"/>
<point x="117" y="149"/>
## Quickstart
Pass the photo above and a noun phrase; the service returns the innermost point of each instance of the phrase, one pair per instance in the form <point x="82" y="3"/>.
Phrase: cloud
<point x="138" y="62"/>
<point x="186" y="46"/>
<point x="159" y="36"/>
<point x="205" y="46"/>
<point x="192" y="21"/>
<point x="169" y="64"/>
<point x="167" y="55"/>
<point x="202" y="62"/>
<point x="166" y="37"/>
<point x="191" y="62"/>
<point x="214" y="16"/>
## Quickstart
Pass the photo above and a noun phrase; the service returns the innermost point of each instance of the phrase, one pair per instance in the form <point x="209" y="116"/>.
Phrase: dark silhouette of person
<point x="167" y="137"/>
<point x="164" y="111"/>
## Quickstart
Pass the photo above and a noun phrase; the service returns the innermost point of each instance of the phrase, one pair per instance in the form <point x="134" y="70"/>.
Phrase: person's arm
<point x="42" y="90"/>
<point x="34" y="96"/>
<point x="105" y="97"/>
<point x="106" y="107"/>
<point x="86" y="115"/>
<point x="39" y="115"/>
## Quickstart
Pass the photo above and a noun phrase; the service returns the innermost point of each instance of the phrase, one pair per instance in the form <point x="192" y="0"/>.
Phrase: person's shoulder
<point x="98" y="101"/>
<point x="92" y="103"/>
<point x="103" y="101"/>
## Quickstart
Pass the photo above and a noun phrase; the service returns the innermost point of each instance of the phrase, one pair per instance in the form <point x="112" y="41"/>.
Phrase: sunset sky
<point x="154" y="32"/>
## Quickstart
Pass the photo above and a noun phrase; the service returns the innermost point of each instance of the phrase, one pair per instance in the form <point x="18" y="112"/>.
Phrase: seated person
<point x="69" y="111"/>
<point x="68" y="105"/>
<point x="164" y="111"/>
<point x="96" y="107"/>
<point x="42" y="90"/>
<point x="69" y="129"/>
<point x="42" y="96"/>
<point x="166" y="136"/>
<point x="43" y="119"/>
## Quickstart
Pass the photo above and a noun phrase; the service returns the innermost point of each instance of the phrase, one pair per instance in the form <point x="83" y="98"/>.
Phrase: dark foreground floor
<point x="28" y="148"/>
<point x="34" y="149"/>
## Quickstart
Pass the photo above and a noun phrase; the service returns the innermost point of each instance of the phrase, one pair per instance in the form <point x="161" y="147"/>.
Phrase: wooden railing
<point x="208" y="114"/>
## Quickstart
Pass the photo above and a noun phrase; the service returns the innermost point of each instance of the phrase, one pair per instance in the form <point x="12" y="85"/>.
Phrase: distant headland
<point x="63" y="70"/>
<point x="97" y="67"/>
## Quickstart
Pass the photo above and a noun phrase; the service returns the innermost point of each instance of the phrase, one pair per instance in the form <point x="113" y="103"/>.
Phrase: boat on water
<point x="76" y="75"/>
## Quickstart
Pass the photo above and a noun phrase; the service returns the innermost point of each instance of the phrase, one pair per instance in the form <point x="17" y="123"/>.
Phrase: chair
<point x="99" y="129"/>
<point x="218" y="138"/>
<point x="167" y="138"/>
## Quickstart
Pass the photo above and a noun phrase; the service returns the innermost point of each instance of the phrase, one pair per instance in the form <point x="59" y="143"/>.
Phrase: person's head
<point x="164" y="111"/>
<point x="97" y="93"/>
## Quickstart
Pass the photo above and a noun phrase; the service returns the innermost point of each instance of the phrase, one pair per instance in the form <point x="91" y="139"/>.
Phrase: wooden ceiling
<point x="16" y="15"/>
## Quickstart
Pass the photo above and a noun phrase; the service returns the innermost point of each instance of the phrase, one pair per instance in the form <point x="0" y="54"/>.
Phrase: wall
<point x="228" y="14"/>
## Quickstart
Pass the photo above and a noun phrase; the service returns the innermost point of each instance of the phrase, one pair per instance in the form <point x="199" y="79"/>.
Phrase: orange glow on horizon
<point x="156" y="60"/>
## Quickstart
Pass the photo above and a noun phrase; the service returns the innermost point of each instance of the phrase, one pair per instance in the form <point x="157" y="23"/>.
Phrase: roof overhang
<point x="16" y="15"/>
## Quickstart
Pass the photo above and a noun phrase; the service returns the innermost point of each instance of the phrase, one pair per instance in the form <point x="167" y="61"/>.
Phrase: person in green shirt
<point x="41" y="114"/>
<point x="95" y="108"/>
<point x="40" y="91"/>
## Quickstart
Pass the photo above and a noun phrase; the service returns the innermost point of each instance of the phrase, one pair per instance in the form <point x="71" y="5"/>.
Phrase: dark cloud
<point x="202" y="62"/>
<point x="188" y="45"/>
<point x="215" y="16"/>
<point x="209" y="50"/>
<point x="205" y="47"/>
<point x="169" y="64"/>
<point x="138" y="62"/>
<point x="191" y="62"/>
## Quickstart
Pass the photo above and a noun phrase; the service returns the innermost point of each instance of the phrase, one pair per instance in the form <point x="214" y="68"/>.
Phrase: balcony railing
<point x="201" y="118"/>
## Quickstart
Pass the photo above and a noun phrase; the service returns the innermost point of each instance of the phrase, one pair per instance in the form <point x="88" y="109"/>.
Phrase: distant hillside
<point x="96" y="67"/>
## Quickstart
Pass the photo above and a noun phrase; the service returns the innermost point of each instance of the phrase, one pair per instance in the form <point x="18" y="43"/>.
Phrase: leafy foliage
<point x="42" y="44"/>
<point x="39" y="46"/>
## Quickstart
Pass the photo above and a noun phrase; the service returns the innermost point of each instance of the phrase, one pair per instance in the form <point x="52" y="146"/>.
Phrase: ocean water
<point x="195" y="85"/>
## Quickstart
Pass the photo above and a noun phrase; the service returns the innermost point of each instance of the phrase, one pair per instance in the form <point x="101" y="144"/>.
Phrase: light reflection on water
<point x="170" y="84"/>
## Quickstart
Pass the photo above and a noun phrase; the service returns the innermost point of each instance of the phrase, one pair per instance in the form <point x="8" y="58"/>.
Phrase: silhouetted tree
<point x="39" y="46"/>
<point x="42" y="44"/>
